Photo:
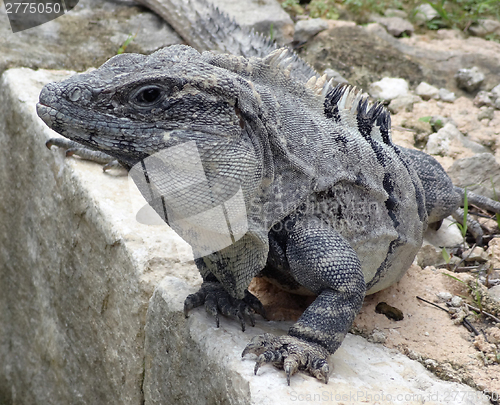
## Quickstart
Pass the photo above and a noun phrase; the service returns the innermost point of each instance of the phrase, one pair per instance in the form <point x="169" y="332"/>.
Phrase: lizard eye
<point x="147" y="96"/>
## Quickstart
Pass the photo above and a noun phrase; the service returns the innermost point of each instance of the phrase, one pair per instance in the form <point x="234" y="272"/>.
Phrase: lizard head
<point x="135" y="105"/>
<point x="172" y="115"/>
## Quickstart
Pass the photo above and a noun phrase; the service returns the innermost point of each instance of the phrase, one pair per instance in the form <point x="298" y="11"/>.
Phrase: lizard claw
<point x="291" y="354"/>
<point x="218" y="301"/>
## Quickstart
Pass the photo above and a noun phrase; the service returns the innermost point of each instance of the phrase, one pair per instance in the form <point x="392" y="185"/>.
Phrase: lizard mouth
<point x="44" y="112"/>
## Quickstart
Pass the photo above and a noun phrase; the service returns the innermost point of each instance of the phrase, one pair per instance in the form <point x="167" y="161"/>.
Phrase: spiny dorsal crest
<point x="352" y="107"/>
<point x="284" y="60"/>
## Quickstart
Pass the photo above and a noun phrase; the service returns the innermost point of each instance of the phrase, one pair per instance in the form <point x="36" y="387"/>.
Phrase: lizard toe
<point x="291" y="354"/>
<point x="218" y="301"/>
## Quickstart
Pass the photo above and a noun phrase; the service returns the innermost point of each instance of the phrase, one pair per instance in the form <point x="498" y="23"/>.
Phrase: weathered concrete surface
<point x="76" y="270"/>
<point x="207" y="367"/>
<point x="77" y="274"/>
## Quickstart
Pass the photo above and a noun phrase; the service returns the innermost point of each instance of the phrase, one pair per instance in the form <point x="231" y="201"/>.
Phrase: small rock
<point x="493" y="278"/>
<point x="480" y="343"/>
<point x="448" y="141"/>
<point x="476" y="254"/>
<point x="388" y="88"/>
<point x="445" y="33"/>
<point x="444" y="296"/>
<point x="429" y="255"/>
<point x="378" y="337"/>
<point x="448" y="235"/>
<point x="403" y="103"/>
<point x="427" y="91"/>
<point x="336" y="76"/>
<point x="487" y="113"/>
<point x="447" y="95"/>
<point x="456" y="301"/>
<point x="469" y="79"/>
<point x="479" y="173"/>
<point x="394" y="12"/>
<point x="485" y="27"/>
<point x="495" y="92"/>
<point x="494" y="293"/>
<point x="396" y="26"/>
<point x="425" y="12"/>
<point x="430" y="363"/>
<point x="483" y="98"/>
<point x="306" y="29"/>
<point x="493" y="335"/>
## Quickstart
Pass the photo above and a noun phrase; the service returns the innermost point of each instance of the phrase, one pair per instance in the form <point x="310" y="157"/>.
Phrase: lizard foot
<point x="217" y="300"/>
<point x="291" y="354"/>
<point x="74" y="148"/>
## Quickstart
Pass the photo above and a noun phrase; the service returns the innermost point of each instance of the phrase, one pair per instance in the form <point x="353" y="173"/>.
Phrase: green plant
<point x="323" y="9"/>
<point x="293" y="7"/>
<point x="122" y="48"/>
<point x="462" y="13"/>
<point x="463" y="226"/>
<point x="497" y="216"/>
<point x="446" y="256"/>
<point x="477" y="297"/>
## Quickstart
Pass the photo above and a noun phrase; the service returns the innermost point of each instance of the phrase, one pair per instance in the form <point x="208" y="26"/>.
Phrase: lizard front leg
<point x="218" y="301"/>
<point x="323" y="261"/>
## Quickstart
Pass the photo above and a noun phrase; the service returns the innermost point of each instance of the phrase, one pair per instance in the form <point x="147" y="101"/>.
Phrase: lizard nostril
<point x="75" y="94"/>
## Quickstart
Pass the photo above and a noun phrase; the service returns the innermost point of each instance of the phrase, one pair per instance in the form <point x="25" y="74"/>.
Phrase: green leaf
<point x="446" y="256"/>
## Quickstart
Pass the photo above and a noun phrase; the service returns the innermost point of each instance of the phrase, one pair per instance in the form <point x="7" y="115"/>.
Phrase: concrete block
<point x="91" y="308"/>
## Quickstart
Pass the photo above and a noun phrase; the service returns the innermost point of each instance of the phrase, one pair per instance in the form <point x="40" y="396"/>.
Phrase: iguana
<point x="332" y="207"/>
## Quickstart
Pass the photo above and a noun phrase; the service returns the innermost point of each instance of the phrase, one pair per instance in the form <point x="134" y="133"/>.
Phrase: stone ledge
<point x="91" y="303"/>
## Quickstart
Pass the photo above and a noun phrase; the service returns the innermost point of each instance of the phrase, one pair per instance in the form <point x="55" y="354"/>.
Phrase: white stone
<point x="485" y="27"/>
<point x="396" y="26"/>
<point x="494" y="293"/>
<point x="444" y="296"/>
<point x="447" y="95"/>
<point x="476" y="254"/>
<point x="495" y="92"/>
<point x="469" y="79"/>
<point x="403" y="103"/>
<point x="479" y="173"/>
<point x="306" y="29"/>
<point x="483" y="98"/>
<point x="441" y="142"/>
<point x="427" y="91"/>
<point x="456" y="301"/>
<point x="447" y="235"/>
<point x="389" y="88"/>
<point x="425" y="12"/>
